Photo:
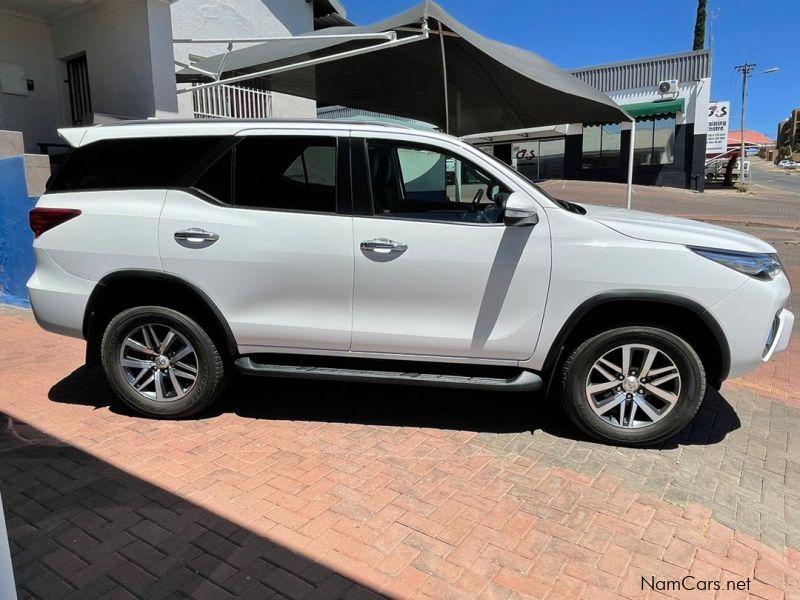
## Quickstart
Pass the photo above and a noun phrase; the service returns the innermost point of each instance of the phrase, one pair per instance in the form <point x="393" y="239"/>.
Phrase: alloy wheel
<point x="158" y="362"/>
<point x="633" y="386"/>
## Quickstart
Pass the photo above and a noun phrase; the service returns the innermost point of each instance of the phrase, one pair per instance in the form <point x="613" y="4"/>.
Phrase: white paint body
<point x="298" y="282"/>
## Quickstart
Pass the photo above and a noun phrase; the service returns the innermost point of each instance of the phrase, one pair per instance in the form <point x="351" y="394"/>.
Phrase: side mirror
<point x="520" y="211"/>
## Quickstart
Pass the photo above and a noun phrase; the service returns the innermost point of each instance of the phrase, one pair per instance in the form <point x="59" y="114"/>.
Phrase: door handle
<point x="383" y="246"/>
<point x="196" y="235"/>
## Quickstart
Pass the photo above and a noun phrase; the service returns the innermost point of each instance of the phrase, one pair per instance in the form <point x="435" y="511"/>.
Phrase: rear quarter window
<point x="131" y="163"/>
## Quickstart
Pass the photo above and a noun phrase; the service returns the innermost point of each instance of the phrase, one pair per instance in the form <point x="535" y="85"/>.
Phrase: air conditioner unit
<point x="669" y="86"/>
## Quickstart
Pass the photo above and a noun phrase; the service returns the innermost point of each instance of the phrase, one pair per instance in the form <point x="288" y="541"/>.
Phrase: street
<point x="765" y="174"/>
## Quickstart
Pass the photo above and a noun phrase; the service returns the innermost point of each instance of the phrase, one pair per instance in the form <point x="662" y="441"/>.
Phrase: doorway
<point x="80" y="98"/>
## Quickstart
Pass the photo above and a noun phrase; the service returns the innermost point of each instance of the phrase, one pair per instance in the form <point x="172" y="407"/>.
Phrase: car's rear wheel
<point x="161" y="363"/>
<point x="633" y="385"/>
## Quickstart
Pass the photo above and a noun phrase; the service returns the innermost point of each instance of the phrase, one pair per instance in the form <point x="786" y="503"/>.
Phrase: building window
<point x="601" y="145"/>
<point x="655" y="141"/>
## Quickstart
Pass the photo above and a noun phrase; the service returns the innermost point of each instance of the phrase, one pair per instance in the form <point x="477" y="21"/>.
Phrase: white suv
<point x="364" y="252"/>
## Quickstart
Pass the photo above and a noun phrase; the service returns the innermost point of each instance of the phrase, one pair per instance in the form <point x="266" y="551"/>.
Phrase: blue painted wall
<point x="16" y="238"/>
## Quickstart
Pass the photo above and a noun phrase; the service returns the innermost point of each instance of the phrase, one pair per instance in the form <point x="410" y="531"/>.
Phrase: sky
<point x="578" y="33"/>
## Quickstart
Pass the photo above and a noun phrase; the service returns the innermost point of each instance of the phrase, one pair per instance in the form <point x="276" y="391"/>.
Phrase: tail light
<point x="44" y="219"/>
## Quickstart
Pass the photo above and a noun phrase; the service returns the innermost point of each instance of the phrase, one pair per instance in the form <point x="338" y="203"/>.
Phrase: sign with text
<point x="718" y="118"/>
<point x="524" y="151"/>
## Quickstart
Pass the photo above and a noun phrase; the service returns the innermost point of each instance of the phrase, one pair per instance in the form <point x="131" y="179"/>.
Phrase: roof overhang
<point x="48" y="11"/>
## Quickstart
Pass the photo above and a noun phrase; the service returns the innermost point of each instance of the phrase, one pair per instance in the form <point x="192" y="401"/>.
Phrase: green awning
<point x="652" y="109"/>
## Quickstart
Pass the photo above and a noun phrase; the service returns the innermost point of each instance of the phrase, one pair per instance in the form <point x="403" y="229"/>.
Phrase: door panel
<point x="436" y="271"/>
<point x="280" y="278"/>
<point x="456" y="290"/>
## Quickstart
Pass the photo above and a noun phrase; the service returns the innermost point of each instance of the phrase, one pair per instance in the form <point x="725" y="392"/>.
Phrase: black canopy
<point x="490" y="86"/>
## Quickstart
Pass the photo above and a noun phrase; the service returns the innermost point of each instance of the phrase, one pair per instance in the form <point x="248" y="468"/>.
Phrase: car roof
<point x="81" y="136"/>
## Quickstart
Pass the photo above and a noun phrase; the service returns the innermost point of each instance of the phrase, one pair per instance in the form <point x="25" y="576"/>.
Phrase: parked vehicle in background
<point x="737" y="170"/>
<point x="789" y="164"/>
<point x="716" y="168"/>
<point x="364" y="252"/>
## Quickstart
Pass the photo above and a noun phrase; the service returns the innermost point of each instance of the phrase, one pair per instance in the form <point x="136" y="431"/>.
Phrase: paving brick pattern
<point x="81" y="528"/>
<point x="293" y="489"/>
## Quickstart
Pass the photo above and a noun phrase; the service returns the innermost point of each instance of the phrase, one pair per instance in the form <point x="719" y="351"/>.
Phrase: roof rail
<point x="157" y="121"/>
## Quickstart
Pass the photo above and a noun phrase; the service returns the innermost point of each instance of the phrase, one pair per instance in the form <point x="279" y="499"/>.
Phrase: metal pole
<point x="741" y="141"/>
<point x="383" y="35"/>
<point x="314" y="61"/>
<point x="630" y="162"/>
<point x="745" y="70"/>
<point x="444" y="80"/>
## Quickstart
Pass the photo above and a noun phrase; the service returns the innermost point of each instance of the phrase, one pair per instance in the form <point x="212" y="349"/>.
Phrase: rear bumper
<point x="58" y="299"/>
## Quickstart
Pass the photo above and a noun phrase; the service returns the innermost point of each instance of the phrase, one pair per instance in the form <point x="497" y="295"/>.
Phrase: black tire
<point x="575" y="377"/>
<point x="210" y="367"/>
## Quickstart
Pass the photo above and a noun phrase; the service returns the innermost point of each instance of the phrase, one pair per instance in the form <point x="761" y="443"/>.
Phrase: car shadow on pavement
<point x="396" y="406"/>
<point x="80" y="527"/>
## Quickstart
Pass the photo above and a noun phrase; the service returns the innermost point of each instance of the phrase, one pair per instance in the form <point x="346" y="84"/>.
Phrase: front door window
<point x="414" y="182"/>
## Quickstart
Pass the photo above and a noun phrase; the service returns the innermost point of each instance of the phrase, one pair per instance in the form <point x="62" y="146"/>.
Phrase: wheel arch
<point x="678" y="314"/>
<point x="124" y="289"/>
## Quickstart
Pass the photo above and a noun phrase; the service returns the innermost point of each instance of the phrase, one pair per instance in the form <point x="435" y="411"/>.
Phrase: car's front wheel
<point x="633" y="385"/>
<point x="161" y="363"/>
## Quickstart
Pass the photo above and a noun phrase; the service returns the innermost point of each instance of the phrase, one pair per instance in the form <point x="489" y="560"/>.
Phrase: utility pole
<point x="745" y="70"/>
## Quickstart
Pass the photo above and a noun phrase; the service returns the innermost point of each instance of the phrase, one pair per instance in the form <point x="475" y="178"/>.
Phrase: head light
<point x="755" y="264"/>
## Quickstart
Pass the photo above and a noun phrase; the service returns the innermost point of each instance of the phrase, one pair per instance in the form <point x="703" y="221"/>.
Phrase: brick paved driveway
<point x="303" y="490"/>
<point x="324" y="490"/>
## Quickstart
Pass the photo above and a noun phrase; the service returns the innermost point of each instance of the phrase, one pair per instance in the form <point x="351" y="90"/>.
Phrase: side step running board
<point x="523" y="382"/>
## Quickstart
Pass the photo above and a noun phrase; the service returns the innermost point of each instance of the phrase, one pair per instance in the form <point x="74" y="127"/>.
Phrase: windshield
<point x="565" y="204"/>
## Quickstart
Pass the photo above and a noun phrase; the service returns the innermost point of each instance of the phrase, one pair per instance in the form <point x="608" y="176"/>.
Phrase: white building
<point x="77" y="62"/>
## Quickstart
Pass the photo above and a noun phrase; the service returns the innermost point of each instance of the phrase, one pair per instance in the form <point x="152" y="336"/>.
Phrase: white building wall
<point x="127" y="76"/>
<point x="161" y="59"/>
<point x="241" y="19"/>
<point x="26" y="41"/>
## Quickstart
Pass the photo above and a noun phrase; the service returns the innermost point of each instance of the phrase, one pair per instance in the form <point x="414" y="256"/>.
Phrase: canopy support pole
<point x="444" y="81"/>
<point x="316" y="61"/>
<point x="197" y="69"/>
<point x="630" y="162"/>
<point x="384" y="35"/>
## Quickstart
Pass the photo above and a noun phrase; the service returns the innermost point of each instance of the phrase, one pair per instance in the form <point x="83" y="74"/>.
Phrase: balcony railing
<point x="231" y="101"/>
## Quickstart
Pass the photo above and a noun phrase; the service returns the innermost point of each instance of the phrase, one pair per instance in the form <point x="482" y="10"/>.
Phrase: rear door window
<point x="153" y="162"/>
<point x="286" y="173"/>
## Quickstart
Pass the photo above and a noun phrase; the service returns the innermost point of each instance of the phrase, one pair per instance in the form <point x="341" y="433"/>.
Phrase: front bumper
<point x="784" y="321"/>
<point x="755" y="322"/>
